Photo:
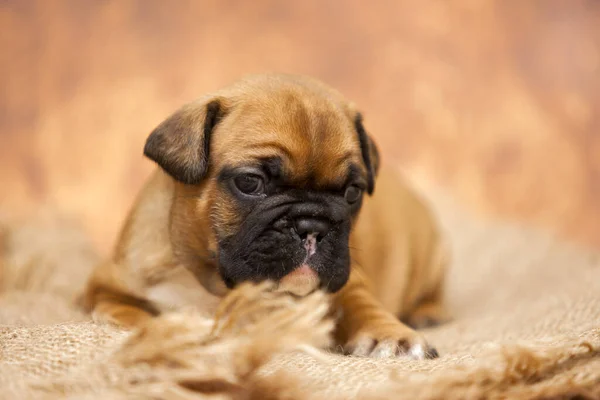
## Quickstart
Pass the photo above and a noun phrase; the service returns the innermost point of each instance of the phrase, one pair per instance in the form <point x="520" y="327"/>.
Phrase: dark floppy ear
<point x="370" y="153"/>
<point x="180" y="144"/>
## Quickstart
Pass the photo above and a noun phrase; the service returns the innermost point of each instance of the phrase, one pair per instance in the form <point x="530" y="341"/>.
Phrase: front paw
<point x="388" y="341"/>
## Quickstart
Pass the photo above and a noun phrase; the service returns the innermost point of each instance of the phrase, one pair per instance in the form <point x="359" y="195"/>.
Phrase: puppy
<point x="272" y="178"/>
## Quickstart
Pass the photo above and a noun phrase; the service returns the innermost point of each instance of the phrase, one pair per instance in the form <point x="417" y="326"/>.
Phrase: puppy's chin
<point x="300" y="282"/>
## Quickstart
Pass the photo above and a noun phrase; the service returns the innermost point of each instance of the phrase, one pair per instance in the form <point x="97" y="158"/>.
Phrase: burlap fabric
<point x="526" y="325"/>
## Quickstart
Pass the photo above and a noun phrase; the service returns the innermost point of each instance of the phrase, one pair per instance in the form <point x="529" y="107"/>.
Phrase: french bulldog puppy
<point x="275" y="178"/>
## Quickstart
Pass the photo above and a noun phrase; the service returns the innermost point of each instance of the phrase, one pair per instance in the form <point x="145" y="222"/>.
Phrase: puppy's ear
<point x="370" y="153"/>
<point x="180" y="144"/>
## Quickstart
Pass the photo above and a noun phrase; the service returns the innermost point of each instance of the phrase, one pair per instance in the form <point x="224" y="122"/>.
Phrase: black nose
<point x="304" y="226"/>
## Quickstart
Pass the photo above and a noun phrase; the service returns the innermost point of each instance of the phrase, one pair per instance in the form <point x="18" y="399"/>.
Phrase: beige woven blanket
<point x="526" y="325"/>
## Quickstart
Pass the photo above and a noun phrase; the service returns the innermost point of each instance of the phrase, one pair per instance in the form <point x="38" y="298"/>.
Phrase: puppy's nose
<point x="304" y="226"/>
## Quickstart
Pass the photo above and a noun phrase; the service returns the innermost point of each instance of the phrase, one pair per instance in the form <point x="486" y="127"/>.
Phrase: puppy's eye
<point x="352" y="194"/>
<point x="250" y="184"/>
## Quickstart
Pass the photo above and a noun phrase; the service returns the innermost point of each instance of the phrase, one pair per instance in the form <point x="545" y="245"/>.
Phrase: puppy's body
<point x="397" y="245"/>
<point x="264" y="180"/>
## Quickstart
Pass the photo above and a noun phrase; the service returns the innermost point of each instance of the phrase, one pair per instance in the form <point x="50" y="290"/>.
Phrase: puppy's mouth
<point x="304" y="279"/>
<point x="310" y="245"/>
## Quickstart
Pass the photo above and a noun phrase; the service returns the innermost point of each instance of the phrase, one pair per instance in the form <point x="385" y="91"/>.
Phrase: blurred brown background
<point x="497" y="102"/>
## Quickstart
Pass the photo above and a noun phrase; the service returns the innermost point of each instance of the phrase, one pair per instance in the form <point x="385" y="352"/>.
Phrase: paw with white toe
<point x="389" y="343"/>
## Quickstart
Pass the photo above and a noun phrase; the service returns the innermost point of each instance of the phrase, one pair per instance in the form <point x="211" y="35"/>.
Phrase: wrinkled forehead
<point x="314" y="137"/>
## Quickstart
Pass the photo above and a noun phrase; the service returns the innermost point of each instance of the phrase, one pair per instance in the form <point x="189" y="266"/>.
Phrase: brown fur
<point x="398" y="260"/>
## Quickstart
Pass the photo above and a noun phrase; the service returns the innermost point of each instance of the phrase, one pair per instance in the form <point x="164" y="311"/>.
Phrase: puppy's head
<point x="270" y="175"/>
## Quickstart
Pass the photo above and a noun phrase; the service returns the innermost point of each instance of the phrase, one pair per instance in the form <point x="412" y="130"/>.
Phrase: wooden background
<point x="498" y="102"/>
